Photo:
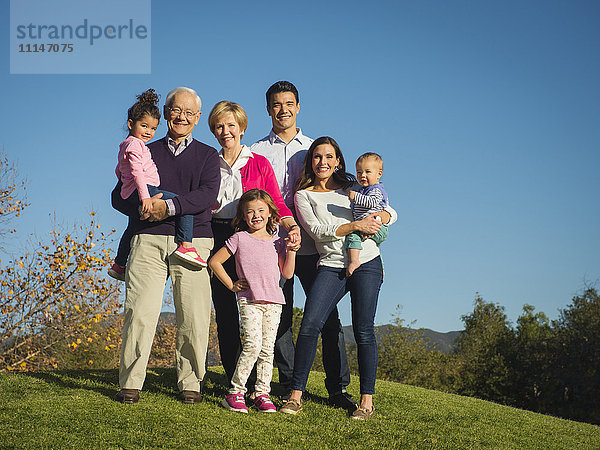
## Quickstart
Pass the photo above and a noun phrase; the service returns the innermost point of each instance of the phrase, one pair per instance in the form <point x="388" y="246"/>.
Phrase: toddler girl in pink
<point x="140" y="180"/>
<point x="260" y="257"/>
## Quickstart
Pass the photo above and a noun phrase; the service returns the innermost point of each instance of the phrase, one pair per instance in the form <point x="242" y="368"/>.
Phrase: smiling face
<point x="368" y="171"/>
<point x="144" y="128"/>
<point x="228" y="131"/>
<point x="186" y="115"/>
<point x="283" y="109"/>
<point x="324" y="161"/>
<point x="256" y="215"/>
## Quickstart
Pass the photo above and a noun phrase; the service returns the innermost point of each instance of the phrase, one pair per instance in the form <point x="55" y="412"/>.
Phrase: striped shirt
<point x="368" y="200"/>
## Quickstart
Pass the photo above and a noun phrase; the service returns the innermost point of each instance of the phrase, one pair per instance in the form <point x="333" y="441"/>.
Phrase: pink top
<point x="135" y="168"/>
<point x="258" y="174"/>
<point x="257" y="261"/>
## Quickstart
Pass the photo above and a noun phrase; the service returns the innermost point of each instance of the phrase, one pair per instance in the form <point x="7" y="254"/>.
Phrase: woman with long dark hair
<point x="323" y="210"/>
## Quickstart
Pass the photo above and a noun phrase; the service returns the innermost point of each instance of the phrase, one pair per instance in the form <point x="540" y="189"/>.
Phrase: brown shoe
<point x="291" y="407"/>
<point x="128" y="396"/>
<point x="190" y="397"/>
<point x="362" y="413"/>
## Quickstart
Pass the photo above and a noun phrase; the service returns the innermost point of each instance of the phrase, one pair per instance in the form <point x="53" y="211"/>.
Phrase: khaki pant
<point x="151" y="260"/>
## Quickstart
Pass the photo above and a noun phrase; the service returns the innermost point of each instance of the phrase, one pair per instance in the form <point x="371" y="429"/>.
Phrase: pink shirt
<point x="255" y="173"/>
<point x="257" y="261"/>
<point x="135" y="168"/>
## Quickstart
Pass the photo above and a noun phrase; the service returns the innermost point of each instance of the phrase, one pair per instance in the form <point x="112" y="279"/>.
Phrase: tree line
<point x="551" y="367"/>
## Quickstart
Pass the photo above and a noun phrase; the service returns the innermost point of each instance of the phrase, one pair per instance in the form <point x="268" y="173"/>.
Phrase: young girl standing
<point x="140" y="181"/>
<point x="260" y="257"/>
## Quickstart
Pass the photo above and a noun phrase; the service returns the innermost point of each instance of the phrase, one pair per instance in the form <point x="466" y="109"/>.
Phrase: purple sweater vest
<point x="194" y="176"/>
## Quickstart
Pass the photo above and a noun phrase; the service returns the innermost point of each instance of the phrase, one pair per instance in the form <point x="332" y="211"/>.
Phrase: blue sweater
<point x="193" y="175"/>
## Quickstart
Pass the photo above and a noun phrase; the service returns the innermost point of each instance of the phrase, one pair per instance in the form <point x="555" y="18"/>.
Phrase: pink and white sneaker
<point x="264" y="404"/>
<point x="117" y="272"/>
<point x="190" y="255"/>
<point x="235" y="402"/>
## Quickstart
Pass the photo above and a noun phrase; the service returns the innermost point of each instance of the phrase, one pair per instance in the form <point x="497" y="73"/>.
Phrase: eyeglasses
<point x="175" y="112"/>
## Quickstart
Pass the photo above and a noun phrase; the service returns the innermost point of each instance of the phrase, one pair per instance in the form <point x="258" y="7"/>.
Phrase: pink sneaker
<point x="190" y="255"/>
<point x="235" y="402"/>
<point x="264" y="404"/>
<point x="117" y="272"/>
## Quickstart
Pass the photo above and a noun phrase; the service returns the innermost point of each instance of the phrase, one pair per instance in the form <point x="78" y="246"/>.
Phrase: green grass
<point x="75" y="409"/>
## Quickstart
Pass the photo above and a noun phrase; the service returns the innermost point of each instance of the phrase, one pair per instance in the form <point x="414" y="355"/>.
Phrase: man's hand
<point x="292" y="246"/>
<point x="158" y="211"/>
<point x="294" y="235"/>
<point x="292" y="228"/>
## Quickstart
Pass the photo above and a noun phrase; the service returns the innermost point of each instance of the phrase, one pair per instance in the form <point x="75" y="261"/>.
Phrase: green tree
<point x="406" y="356"/>
<point x="483" y="353"/>
<point x="577" y="363"/>
<point x="531" y="363"/>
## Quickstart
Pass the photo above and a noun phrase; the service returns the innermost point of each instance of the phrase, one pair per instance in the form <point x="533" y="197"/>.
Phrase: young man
<point x="285" y="148"/>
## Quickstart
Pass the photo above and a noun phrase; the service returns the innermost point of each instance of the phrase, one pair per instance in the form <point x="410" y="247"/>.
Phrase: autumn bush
<point x="57" y="309"/>
<point x="12" y="194"/>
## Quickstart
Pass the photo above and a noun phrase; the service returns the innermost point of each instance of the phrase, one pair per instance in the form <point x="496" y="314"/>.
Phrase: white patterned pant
<point x="258" y="330"/>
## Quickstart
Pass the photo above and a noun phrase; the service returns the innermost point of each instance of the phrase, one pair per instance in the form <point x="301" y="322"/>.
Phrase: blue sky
<point x="487" y="115"/>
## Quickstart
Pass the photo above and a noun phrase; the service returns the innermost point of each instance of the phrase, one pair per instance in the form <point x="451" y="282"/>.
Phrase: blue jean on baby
<point x="184" y="225"/>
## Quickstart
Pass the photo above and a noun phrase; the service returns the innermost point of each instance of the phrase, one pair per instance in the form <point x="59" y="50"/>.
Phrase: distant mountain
<point x="444" y="342"/>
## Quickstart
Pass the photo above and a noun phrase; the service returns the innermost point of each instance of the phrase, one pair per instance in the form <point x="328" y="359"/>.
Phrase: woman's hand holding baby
<point x="369" y="225"/>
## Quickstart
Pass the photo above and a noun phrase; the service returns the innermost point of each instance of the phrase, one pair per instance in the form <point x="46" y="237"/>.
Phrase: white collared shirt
<point x="230" y="189"/>
<point x="288" y="163"/>
<point x="178" y="148"/>
<point x="287" y="160"/>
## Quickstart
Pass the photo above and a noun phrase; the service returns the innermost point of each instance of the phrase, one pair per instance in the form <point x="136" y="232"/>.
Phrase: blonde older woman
<point x="241" y="170"/>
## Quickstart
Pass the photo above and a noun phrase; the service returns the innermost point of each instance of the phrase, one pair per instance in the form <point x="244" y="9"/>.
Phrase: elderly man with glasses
<point x="189" y="169"/>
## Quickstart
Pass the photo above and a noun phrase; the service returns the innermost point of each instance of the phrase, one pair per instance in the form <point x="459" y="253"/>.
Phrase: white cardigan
<point x="321" y="214"/>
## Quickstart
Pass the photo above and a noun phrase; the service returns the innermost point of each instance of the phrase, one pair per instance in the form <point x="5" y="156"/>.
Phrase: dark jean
<point x="330" y="285"/>
<point x="184" y="225"/>
<point x="226" y="308"/>
<point x="335" y="361"/>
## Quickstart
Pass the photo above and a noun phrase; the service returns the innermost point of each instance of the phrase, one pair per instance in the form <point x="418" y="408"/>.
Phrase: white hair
<point x="170" y="95"/>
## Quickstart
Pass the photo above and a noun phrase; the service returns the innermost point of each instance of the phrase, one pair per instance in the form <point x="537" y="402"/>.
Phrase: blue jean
<point x="335" y="361"/>
<point x="184" y="225"/>
<point x="330" y="285"/>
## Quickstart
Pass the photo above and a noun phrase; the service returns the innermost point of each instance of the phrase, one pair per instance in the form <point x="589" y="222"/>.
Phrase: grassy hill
<point x="74" y="409"/>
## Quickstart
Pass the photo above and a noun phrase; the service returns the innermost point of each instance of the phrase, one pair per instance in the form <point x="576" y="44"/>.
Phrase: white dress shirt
<point x="176" y="149"/>
<point x="287" y="160"/>
<point x="230" y="189"/>
<point x="288" y="163"/>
